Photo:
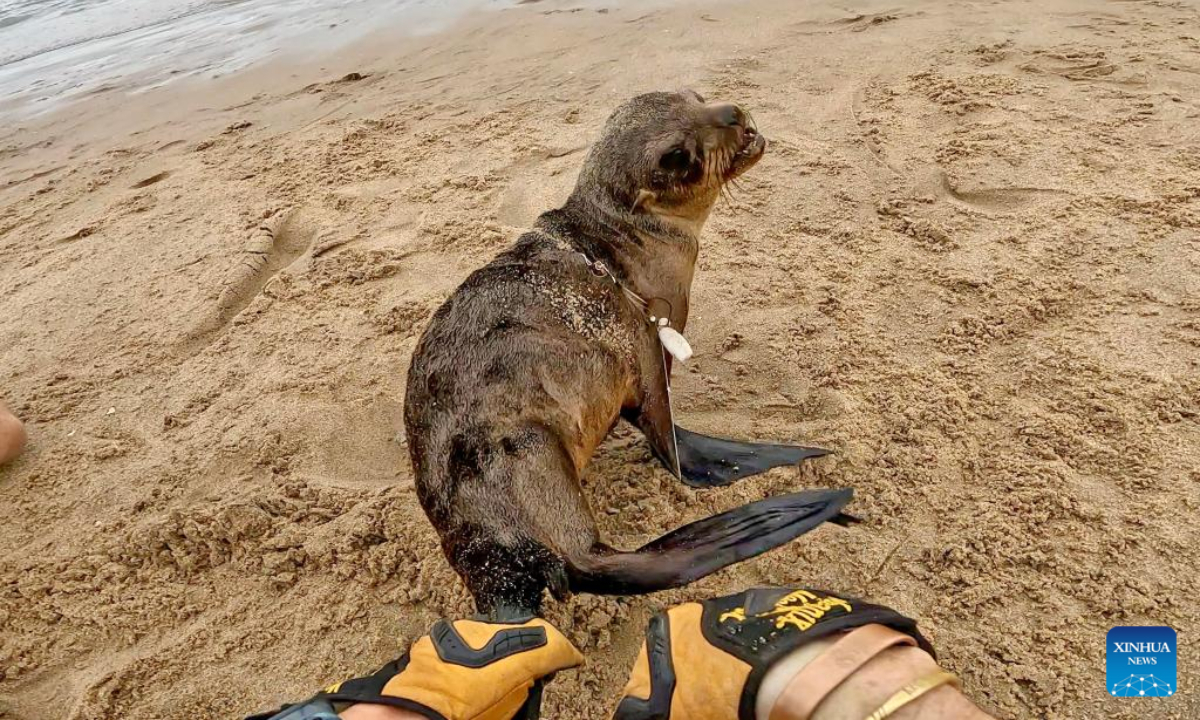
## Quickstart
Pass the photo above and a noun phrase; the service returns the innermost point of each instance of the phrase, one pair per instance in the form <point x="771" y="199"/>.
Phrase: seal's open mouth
<point x="753" y="147"/>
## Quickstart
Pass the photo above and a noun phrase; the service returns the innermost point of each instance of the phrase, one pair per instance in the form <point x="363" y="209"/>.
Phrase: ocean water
<point x="53" y="51"/>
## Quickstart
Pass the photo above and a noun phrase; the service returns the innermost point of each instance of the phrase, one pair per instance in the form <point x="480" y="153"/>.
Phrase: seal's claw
<point x="712" y="462"/>
<point x="845" y="520"/>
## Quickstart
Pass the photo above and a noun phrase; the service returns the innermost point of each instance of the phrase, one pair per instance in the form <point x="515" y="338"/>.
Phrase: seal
<point x="529" y="364"/>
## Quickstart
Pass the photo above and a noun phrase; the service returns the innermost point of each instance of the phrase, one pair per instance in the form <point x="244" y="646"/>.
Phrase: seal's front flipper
<point x="712" y="462"/>
<point x="699" y="460"/>
<point x="654" y="416"/>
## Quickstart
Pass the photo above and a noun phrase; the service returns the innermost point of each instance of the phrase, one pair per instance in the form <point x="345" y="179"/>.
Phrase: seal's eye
<point x="677" y="160"/>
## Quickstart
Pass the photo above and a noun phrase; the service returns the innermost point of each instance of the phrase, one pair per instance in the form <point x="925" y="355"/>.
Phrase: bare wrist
<point x="870" y="687"/>
<point x="364" y="711"/>
<point x="783" y="672"/>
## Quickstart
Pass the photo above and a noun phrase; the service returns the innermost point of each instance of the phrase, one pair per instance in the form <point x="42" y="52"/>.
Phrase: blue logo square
<point x="1141" y="661"/>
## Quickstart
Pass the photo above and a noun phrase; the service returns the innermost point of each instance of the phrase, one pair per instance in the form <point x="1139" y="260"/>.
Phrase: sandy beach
<point x="969" y="263"/>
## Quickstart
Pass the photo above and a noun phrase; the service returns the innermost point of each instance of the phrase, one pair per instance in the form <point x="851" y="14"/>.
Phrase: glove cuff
<point x="780" y="621"/>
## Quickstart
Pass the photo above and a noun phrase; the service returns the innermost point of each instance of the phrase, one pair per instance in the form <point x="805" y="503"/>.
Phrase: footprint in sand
<point x="1085" y="66"/>
<point x="518" y="207"/>
<point x="852" y="23"/>
<point x="1000" y="200"/>
<point x="858" y="23"/>
<point x="274" y="246"/>
<point x="147" y="182"/>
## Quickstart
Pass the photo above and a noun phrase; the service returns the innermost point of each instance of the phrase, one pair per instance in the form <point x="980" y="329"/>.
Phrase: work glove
<point x="706" y="660"/>
<point x="465" y="670"/>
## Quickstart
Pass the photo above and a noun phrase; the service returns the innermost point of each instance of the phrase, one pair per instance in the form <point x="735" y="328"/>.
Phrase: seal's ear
<point x="644" y="198"/>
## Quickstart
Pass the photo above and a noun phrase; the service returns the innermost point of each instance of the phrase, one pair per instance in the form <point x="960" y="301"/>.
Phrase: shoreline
<point x="69" y="54"/>
<point x="202" y="105"/>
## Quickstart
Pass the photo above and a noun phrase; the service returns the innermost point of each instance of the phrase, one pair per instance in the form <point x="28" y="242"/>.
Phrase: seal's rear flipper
<point x="705" y="546"/>
<point x="711" y="462"/>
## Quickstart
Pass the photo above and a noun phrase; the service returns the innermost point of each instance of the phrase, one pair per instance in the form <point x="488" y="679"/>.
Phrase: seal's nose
<point x="728" y="115"/>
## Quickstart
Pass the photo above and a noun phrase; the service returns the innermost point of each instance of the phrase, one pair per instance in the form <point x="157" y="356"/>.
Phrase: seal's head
<point x="670" y="154"/>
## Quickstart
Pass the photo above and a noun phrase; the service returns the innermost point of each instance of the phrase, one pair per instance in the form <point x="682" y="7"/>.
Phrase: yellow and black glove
<point x="706" y="660"/>
<point x="465" y="670"/>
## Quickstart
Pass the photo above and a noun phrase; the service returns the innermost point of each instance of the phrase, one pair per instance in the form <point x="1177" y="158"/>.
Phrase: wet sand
<point x="53" y="52"/>
<point x="969" y="264"/>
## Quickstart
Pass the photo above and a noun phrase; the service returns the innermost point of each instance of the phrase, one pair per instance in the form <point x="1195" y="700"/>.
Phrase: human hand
<point x="707" y="660"/>
<point x="12" y="435"/>
<point x="465" y="670"/>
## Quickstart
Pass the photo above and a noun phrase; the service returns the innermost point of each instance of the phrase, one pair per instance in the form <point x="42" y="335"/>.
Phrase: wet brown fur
<point x="528" y="365"/>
